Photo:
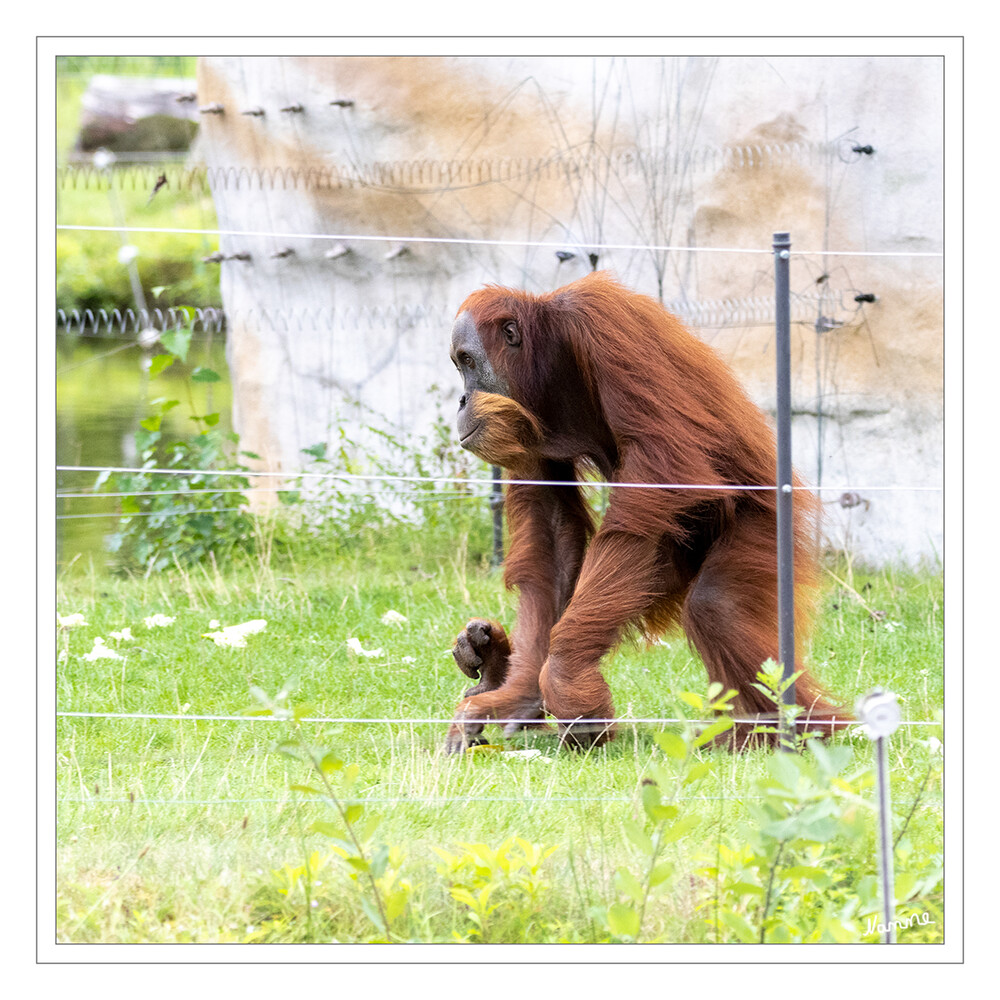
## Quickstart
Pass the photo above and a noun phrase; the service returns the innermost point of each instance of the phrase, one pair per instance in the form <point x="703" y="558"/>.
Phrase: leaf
<point x="638" y="836"/>
<point x="681" y="827"/>
<point x="317" y="451"/>
<point x="211" y="419"/>
<point x="697" y="771"/>
<point x="813" y="874"/>
<point x="464" y="896"/>
<point x="692" y="699"/>
<point x="660" y="873"/>
<point x="623" y="920"/>
<point x="380" y="860"/>
<point x="325" y="829"/>
<point x="201" y="374"/>
<point x="905" y="882"/>
<point x="395" y="903"/>
<point x="650" y="792"/>
<point x="372" y="914"/>
<point x="160" y="363"/>
<point x="151" y="423"/>
<point x="739" y="926"/>
<point x="746" y="889"/>
<point x="305" y="789"/>
<point x="672" y="745"/>
<point x="628" y="884"/>
<point x="330" y="763"/>
<point x="710" y="732"/>
<point x="787" y="768"/>
<point x="177" y="342"/>
<point x="353" y="813"/>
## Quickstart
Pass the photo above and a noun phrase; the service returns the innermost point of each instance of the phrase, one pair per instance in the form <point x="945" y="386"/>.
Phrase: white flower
<point x="70" y="621"/>
<point x="125" y="634"/>
<point x="393" y="618"/>
<point x="236" y="635"/>
<point x="158" y="621"/>
<point x="934" y="744"/>
<point x="354" y="645"/>
<point x="530" y="754"/>
<point x="101" y="652"/>
<point x="409" y="659"/>
<point x="215" y="623"/>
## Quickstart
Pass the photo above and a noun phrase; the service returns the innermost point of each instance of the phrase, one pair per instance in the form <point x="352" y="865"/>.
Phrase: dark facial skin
<point x="478" y="375"/>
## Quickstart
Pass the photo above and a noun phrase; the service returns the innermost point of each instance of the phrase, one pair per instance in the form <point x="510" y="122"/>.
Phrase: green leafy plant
<point x="169" y="518"/>
<point x="336" y="502"/>
<point x="662" y="822"/>
<point x="375" y="867"/>
<point x="509" y="874"/>
<point x="789" y="874"/>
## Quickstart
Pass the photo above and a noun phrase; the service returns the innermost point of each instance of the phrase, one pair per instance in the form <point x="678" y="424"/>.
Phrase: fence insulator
<point x="186" y="98"/>
<point x="240" y="255"/>
<point x="342" y="102"/>
<point x="212" y="109"/>
<point x="338" y="250"/>
<point x="397" y="251"/>
<point x="564" y="255"/>
<point x="214" y="258"/>
<point x="866" y="150"/>
<point x="848" y="500"/>
<point x="824" y="324"/>
<point x="293" y="108"/>
<point x="283" y="252"/>
<point x="256" y="112"/>
<point x="865" y="297"/>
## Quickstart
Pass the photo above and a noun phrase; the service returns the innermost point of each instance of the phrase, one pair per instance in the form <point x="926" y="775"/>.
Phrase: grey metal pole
<point x="885" y="840"/>
<point x="496" y="505"/>
<point x="786" y="536"/>
<point x="879" y="715"/>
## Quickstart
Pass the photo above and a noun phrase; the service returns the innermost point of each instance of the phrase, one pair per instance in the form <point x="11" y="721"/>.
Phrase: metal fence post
<point x="496" y="505"/>
<point x="786" y="539"/>
<point x="879" y="715"/>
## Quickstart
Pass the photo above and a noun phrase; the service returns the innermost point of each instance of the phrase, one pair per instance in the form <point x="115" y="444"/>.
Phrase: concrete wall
<point x="580" y="152"/>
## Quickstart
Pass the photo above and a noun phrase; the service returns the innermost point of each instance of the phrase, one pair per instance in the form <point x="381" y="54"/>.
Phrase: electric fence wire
<point x="465" y="241"/>
<point x="763" y="719"/>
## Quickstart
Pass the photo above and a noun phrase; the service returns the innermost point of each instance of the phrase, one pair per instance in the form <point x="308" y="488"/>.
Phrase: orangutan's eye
<point x="511" y="333"/>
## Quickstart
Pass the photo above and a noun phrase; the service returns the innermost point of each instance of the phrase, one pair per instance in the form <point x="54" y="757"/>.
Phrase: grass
<point x="172" y="830"/>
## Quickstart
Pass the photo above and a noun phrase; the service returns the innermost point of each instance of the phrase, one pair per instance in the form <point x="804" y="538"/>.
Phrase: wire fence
<point x="472" y="242"/>
<point x="140" y="327"/>
<point x="431" y="175"/>
<point x="140" y="323"/>
<point x="753" y="310"/>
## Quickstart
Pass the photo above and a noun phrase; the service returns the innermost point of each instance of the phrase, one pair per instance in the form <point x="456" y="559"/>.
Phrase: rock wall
<point x="579" y="154"/>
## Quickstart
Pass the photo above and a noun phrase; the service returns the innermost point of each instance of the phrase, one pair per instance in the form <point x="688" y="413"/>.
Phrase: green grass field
<point x="176" y="830"/>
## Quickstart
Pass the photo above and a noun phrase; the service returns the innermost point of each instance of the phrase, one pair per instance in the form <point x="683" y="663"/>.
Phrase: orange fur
<point x="607" y="378"/>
